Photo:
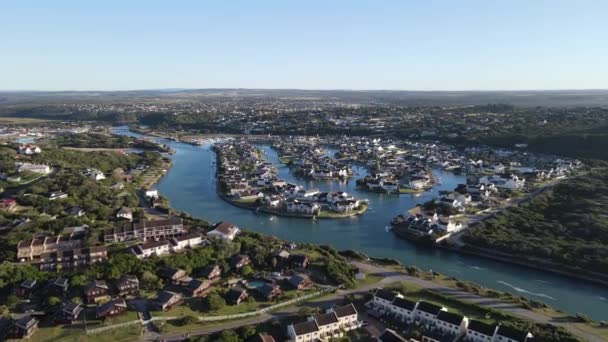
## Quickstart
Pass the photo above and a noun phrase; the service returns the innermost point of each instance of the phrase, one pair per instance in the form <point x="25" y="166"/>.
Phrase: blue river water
<point x="190" y="186"/>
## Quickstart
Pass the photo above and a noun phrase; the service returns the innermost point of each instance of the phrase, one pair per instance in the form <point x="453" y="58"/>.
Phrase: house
<point x="508" y="334"/>
<point x="95" y="291"/>
<point x="347" y="316"/>
<point x="449" y="323"/>
<point x="167" y="299"/>
<point x="383" y="300"/>
<point x="127" y="285"/>
<point x="300" y="282"/>
<point x="172" y="275"/>
<point x="298" y="261"/>
<point x="478" y="331"/>
<point x="303" y="332"/>
<point x="125" y="213"/>
<point x="269" y="291"/>
<point x="26" y="288"/>
<point x="56" y="195"/>
<point x="427" y="312"/>
<point x="112" y="308"/>
<point x="23" y="328"/>
<point x="151" y="194"/>
<point x="31" y="250"/>
<point x="95" y="174"/>
<point x="8" y="204"/>
<point x="224" y="230"/>
<point x="71" y="258"/>
<point x="236" y="295"/>
<point x="35" y="168"/>
<point x="211" y="272"/>
<point x="69" y="313"/>
<point x="197" y="288"/>
<point x="29" y="149"/>
<point x="404" y="309"/>
<point x="191" y="240"/>
<point x="391" y="336"/>
<point x="75" y="211"/>
<point x="329" y="325"/>
<point x="263" y="337"/>
<point x="146" y="230"/>
<point x="58" y="287"/>
<point x="156" y="248"/>
<point x="238" y="261"/>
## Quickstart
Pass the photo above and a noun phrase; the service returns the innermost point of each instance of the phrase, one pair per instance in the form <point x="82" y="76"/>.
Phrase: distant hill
<point x="554" y="98"/>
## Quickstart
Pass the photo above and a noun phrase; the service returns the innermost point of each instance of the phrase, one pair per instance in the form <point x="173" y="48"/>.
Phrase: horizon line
<point x="300" y="89"/>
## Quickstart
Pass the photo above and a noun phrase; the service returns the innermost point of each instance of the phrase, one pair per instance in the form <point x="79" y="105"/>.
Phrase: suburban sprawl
<point x="92" y="249"/>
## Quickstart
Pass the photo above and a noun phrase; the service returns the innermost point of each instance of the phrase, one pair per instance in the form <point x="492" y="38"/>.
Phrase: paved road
<point x="391" y="276"/>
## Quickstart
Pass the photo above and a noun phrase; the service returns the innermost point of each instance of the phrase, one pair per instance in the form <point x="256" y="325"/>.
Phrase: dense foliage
<point x="102" y="140"/>
<point x="567" y="226"/>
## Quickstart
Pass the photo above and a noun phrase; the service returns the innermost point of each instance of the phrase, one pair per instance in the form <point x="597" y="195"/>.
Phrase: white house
<point x="95" y="174"/>
<point x="178" y="243"/>
<point x="427" y="312"/>
<point x="347" y="317"/>
<point x="383" y="300"/>
<point x="478" y="331"/>
<point x="151" y="194"/>
<point x="303" y="332"/>
<point x="507" y="334"/>
<point x="29" y="149"/>
<point x="125" y="213"/>
<point x="450" y="323"/>
<point x="512" y="182"/>
<point x="224" y="230"/>
<point x="403" y="309"/>
<point x="329" y="325"/>
<point x="295" y="206"/>
<point x="157" y="248"/>
<point x="36" y="168"/>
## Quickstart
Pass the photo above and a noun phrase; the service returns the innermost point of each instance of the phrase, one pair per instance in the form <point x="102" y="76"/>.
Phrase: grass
<point x="13" y="120"/>
<point x="410" y="191"/>
<point x="331" y="214"/>
<point x="368" y="280"/>
<point x="93" y="322"/>
<point x="73" y="334"/>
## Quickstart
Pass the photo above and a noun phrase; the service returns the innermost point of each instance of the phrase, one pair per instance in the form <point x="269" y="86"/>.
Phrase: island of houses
<point x="246" y="179"/>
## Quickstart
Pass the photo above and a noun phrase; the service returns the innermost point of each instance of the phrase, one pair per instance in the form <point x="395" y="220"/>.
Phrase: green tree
<point x="215" y="302"/>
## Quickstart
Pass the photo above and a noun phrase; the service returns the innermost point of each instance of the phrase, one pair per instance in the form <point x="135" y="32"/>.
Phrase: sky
<point x="306" y="44"/>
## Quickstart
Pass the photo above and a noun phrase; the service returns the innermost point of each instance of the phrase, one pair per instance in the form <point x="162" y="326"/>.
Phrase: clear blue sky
<point x="308" y="44"/>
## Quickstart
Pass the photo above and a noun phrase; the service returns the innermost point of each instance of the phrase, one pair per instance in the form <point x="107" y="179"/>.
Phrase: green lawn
<point x="73" y="334"/>
<point x="93" y="322"/>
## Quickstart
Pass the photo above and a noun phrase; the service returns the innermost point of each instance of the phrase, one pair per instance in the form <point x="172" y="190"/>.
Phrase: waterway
<point x="190" y="186"/>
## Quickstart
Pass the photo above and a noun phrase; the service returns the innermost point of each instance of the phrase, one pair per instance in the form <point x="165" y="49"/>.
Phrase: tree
<point x="247" y="332"/>
<point x="150" y="281"/>
<point x="215" y="302"/>
<point x="228" y="336"/>
<point x="11" y="301"/>
<point x="246" y="270"/>
<point x="53" y="301"/>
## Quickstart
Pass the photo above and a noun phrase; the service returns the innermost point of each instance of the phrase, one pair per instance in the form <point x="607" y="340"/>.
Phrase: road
<point x="390" y="276"/>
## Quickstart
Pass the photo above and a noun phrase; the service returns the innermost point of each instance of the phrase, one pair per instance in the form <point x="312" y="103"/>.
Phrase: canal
<point x="190" y="186"/>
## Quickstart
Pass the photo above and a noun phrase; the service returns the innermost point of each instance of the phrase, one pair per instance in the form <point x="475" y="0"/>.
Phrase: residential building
<point x="127" y="285"/>
<point x="167" y="299"/>
<point x="111" y="308"/>
<point x="224" y="230"/>
<point x="23" y="328"/>
<point x="96" y="291"/>
<point x="147" y="230"/>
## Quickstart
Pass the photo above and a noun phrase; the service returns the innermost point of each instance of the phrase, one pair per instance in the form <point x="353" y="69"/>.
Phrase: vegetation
<point x="566" y="226"/>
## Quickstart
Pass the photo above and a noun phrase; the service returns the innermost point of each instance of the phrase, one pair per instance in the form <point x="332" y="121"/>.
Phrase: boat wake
<point x="519" y="289"/>
<point x="603" y="298"/>
<point x="477" y="268"/>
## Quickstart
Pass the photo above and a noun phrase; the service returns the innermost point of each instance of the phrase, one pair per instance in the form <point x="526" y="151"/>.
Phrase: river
<point x="190" y="186"/>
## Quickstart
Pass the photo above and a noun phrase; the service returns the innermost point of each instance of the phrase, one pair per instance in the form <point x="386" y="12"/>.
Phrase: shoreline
<point x="532" y="264"/>
<point x="539" y="265"/>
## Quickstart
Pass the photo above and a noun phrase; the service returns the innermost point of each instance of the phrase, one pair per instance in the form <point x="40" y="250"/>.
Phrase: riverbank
<point x="540" y="265"/>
